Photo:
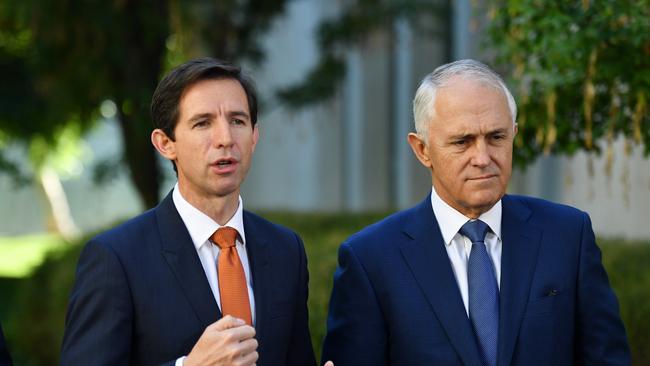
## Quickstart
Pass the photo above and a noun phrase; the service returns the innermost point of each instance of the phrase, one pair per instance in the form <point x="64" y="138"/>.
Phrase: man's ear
<point x="165" y="145"/>
<point x="419" y="149"/>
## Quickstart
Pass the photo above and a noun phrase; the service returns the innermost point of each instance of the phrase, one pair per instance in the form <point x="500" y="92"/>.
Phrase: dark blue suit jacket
<point x="5" y="359"/>
<point x="141" y="296"/>
<point x="396" y="301"/>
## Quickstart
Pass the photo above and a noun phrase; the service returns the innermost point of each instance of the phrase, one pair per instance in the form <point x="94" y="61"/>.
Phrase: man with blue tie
<point x="471" y="275"/>
<point x="196" y="280"/>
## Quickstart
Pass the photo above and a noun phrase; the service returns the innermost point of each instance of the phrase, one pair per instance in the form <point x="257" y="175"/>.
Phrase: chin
<point x="485" y="201"/>
<point x="225" y="190"/>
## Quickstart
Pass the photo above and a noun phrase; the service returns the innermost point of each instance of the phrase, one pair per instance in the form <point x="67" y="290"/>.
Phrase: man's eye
<point x="237" y="121"/>
<point x="200" y="124"/>
<point x="459" y="142"/>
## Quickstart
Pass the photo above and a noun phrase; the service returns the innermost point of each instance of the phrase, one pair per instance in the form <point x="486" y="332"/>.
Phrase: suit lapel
<point x="521" y="241"/>
<point x="180" y="254"/>
<point x="256" y="249"/>
<point x="427" y="258"/>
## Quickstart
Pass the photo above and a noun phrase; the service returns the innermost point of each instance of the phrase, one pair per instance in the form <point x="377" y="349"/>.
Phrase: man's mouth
<point x="222" y="163"/>
<point x="226" y="165"/>
<point x="483" y="177"/>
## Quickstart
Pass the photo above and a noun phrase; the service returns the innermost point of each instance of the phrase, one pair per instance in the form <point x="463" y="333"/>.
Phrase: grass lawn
<point x="19" y="255"/>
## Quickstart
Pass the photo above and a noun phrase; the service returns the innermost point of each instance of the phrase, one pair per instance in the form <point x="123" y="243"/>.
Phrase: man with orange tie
<point x="197" y="280"/>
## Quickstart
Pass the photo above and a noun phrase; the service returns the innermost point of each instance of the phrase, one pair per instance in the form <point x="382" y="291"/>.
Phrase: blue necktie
<point x="483" y="292"/>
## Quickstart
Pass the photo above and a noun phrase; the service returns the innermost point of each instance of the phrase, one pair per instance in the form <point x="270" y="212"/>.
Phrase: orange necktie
<point x="232" y="281"/>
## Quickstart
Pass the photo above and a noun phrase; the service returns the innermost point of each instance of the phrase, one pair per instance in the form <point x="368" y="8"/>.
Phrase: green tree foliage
<point x="581" y="71"/>
<point x="61" y="59"/>
<point x="73" y="55"/>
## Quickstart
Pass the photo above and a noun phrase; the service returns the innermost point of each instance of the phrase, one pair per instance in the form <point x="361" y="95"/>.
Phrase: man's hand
<point x="228" y="341"/>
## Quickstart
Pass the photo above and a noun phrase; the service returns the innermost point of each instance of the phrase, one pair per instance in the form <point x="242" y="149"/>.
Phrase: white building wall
<point x="297" y="163"/>
<point x="619" y="203"/>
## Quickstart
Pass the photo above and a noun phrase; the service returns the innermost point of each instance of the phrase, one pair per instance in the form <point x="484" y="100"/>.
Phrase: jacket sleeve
<point x="301" y="351"/>
<point x="98" y="327"/>
<point x="601" y="338"/>
<point x="356" y="330"/>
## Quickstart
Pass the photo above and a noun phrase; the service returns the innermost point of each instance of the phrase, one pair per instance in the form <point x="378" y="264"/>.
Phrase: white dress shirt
<point x="201" y="227"/>
<point x="458" y="246"/>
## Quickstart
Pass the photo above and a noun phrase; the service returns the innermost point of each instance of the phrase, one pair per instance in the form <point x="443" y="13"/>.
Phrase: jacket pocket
<point x="541" y="306"/>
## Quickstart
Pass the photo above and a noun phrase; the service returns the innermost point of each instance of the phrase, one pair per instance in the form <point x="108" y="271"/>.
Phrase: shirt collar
<point x="201" y="226"/>
<point x="450" y="220"/>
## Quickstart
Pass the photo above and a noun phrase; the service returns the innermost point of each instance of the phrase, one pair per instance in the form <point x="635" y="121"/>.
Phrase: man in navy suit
<point x="150" y="292"/>
<point x="471" y="275"/>
<point x="5" y="359"/>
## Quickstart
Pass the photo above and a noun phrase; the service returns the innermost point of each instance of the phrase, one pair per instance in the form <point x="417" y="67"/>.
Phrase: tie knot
<point x="475" y="230"/>
<point x="224" y="237"/>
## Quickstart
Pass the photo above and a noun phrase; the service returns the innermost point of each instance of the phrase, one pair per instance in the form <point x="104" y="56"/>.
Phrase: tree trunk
<point x="57" y="200"/>
<point x="140" y="158"/>
<point x="144" y="35"/>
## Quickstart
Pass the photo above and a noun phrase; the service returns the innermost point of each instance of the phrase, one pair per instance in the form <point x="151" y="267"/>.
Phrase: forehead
<point x="468" y="104"/>
<point x="213" y="94"/>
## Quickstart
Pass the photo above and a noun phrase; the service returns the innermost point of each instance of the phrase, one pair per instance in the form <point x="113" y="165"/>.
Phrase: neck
<point x="473" y="214"/>
<point x="469" y="212"/>
<point x="219" y="208"/>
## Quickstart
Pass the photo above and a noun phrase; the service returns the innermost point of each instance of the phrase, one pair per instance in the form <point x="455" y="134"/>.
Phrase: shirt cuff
<point x="180" y="361"/>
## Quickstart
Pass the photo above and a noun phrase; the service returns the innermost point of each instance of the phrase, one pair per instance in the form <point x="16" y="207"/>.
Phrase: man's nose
<point x="222" y="134"/>
<point x="481" y="154"/>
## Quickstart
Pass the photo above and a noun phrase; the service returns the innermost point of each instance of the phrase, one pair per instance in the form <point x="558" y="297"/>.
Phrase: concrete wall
<point x="618" y="203"/>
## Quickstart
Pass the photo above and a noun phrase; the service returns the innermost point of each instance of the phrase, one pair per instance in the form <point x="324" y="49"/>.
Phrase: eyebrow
<point x="199" y="116"/>
<point x="238" y="114"/>
<point x="208" y="115"/>
<point x="471" y="135"/>
<point x="498" y="130"/>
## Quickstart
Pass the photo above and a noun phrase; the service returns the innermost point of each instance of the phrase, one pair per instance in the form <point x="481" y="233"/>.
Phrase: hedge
<point x="36" y="317"/>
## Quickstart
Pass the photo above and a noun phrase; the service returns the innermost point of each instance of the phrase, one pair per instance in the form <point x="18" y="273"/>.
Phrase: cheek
<point x="451" y="174"/>
<point x="505" y="155"/>
<point x="443" y="159"/>
<point x="248" y="146"/>
<point x="505" y="175"/>
<point x="457" y="165"/>
<point x="188" y="154"/>
<point x="505" y="164"/>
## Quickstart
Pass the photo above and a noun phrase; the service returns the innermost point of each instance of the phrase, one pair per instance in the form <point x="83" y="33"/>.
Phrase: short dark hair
<point x="166" y="99"/>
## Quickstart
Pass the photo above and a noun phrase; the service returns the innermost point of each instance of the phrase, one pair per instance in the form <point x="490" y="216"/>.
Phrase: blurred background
<point x="336" y="79"/>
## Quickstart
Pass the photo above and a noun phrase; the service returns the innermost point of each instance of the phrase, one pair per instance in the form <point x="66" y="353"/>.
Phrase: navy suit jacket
<point x="5" y="359"/>
<point x="141" y="296"/>
<point x="396" y="300"/>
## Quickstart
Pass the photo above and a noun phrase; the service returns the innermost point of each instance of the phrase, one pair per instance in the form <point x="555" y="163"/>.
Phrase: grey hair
<point x="425" y="97"/>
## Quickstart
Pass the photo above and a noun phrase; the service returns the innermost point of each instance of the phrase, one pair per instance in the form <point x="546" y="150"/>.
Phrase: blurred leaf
<point x="547" y="46"/>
